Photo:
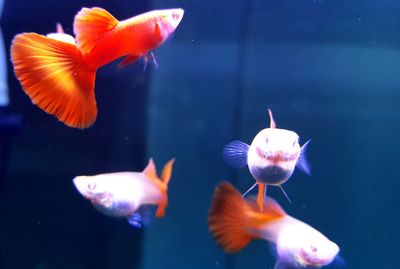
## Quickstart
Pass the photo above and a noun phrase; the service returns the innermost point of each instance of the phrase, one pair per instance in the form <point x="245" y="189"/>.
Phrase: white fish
<point x="234" y="222"/>
<point x="271" y="158"/>
<point x="124" y="194"/>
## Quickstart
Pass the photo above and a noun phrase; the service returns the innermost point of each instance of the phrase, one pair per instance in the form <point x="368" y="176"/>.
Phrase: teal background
<point x="327" y="69"/>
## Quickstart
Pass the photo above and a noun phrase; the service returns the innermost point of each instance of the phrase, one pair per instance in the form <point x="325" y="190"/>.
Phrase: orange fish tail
<point x="55" y="77"/>
<point x="165" y="178"/>
<point x="227" y="218"/>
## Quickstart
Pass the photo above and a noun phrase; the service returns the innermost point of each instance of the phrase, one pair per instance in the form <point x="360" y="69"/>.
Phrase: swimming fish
<point x="234" y="222"/>
<point x="271" y="157"/>
<point x="58" y="71"/>
<point x="125" y="194"/>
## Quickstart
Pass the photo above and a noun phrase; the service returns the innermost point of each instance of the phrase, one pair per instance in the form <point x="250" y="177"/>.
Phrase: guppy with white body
<point x="234" y="222"/>
<point x="272" y="157"/>
<point x="123" y="194"/>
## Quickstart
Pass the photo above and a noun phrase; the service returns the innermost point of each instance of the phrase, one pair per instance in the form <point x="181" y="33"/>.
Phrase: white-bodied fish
<point x="234" y="222"/>
<point x="271" y="157"/>
<point x="124" y="194"/>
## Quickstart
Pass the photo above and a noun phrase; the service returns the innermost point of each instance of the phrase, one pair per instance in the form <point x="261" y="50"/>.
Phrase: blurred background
<point x="327" y="69"/>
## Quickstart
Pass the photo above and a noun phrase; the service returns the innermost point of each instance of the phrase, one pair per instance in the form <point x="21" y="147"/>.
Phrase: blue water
<point x="329" y="70"/>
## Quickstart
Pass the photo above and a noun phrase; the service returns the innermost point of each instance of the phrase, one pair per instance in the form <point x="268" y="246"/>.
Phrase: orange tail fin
<point x="165" y="178"/>
<point x="151" y="173"/>
<point x="234" y="221"/>
<point x="227" y="218"/>
<point x="55" y="77"/>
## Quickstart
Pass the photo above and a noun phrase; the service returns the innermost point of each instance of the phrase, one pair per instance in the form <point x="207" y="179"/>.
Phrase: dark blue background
<point x="327" y="69"/>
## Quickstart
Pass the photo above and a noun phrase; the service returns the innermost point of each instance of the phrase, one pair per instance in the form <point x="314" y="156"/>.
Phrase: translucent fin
<point x="55" y="77"/>
<point x="235" y="153"/>
<point x="227" y="218"/>
<point x="272" y="123"/>
<point x="249" y="190"/>
<point x="149" y="56"/>
<point x="287" y="197"/>
<point x="302" y="162"/>
<point x="141" y="218"/>
<point x="91" y="25"/>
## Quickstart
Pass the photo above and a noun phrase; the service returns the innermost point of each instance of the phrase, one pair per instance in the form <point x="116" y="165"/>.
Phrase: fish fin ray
<point x="150" y="170"/>
<point x="302" y="162"/>
<point x="227" y="218"/>
<point x="165" y="178"/>
<point x="91" y="25"/>
<point x="235" y="153"/>
<point x="142" y="217"/>
<point x="54" y="76"/>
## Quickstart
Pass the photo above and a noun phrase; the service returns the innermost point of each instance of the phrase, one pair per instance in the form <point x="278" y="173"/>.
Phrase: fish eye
<point x="92" y="186"/>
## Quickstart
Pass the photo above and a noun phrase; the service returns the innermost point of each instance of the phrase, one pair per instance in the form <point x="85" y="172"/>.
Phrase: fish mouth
<point x="271" y="174"/>
<point x="176" y="17"/>
<point x="276" y="156"/>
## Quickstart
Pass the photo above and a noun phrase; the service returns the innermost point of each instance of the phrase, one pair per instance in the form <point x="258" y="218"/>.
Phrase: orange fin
<point x="150" y="170"/>
<point x="128" y="60"/>
<point x="55" y="77"/>
<point x="261" y="195"/>
<point x="227" y="218"/>
<point x="165" y="177"/>
<point x="91" y="25"/>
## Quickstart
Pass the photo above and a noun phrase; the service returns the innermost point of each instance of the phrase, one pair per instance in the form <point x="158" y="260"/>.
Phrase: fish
<point x="235" y="221"/>
<point x="58" y="71"/>
<point x="128" y="194"/>
<point x="271" y="158"/>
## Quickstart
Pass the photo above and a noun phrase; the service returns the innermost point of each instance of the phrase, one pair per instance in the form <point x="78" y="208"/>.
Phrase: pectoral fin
<point x="235" y="153"/>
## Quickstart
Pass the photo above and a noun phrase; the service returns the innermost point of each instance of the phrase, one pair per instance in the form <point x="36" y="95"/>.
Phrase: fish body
<point x="271" y="157"/>
<point x="234" y="222"/>
<point x="58" y="71"/>
<point x="123" y="194"/>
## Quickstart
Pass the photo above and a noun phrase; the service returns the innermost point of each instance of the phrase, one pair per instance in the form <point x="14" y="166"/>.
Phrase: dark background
<point x="327" y="69"/>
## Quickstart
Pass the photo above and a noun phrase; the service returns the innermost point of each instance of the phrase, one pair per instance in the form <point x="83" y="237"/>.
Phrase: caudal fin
<point x="234" y="221"/>
<point x="151" y="173"/>
<point x="55" y="77"/>
<point x="227" y="218"/>
<point x="165" y="178"/>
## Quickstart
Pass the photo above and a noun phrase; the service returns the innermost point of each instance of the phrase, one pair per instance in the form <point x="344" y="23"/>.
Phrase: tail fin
<point x="55" y="77"/>
<point x="150" y="172"/>
<point x="234" y="221"/>
<point x="227" y="218"/>
<point x="165" y="178"/>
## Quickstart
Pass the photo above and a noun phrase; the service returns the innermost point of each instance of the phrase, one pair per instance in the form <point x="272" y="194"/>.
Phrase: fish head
<point x="273" y="155"/>
<point x="91" y="188"/>
<point x="167" y="20"/>
<point x="317" y="251"/>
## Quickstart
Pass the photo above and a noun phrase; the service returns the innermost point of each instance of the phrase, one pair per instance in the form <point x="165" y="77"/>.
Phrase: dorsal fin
<point x="150" y="170"/>
<point x="272" y="123"/>
<point x="90" y="25"/>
